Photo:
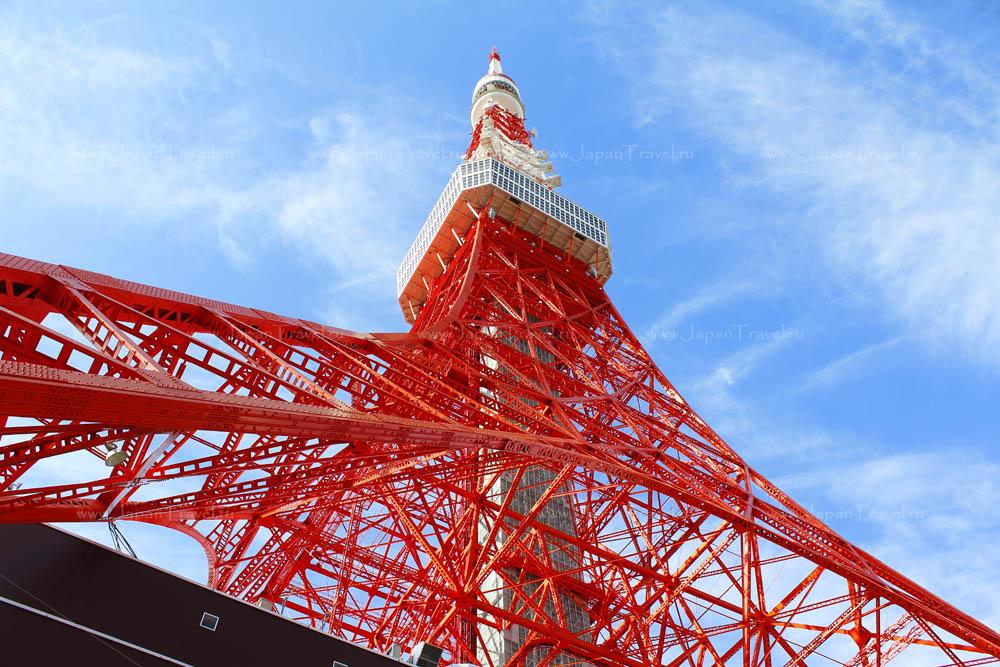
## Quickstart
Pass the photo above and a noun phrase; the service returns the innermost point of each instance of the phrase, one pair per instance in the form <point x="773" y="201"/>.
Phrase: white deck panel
<point x="542" y="211"/>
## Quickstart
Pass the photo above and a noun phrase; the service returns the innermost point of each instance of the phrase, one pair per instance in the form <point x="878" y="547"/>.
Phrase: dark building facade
<point x="68" y="601"/>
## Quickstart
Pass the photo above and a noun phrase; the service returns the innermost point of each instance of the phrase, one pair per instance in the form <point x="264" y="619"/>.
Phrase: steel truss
<point x="374" y="485"/>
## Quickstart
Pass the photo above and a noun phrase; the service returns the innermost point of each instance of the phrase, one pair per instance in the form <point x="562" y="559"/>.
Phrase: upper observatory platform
<point x="501" y="168"/>
<point x="495" y="87"/>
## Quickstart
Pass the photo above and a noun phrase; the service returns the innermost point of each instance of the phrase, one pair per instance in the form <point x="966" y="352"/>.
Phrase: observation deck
<point x="536" y="208"/>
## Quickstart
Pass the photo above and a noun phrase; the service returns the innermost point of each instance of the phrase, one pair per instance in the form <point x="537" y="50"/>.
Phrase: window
<point x="209" y="621"/>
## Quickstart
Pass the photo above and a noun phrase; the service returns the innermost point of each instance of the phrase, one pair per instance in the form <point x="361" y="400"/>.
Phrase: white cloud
<point x="897" y="165"/>
<point x="886" y="135"/>
<point x="145" y="139"/>
<point x="740" y="365"/>
<point x="353" y="201"/>
<point x="755" y="433"/>
<point x="848" y="364"/>
<point x="924" y="514"/>
<point x="706" y="299"/>
<point x="80" y="120"/>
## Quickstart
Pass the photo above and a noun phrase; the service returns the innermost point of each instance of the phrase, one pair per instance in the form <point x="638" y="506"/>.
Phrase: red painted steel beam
<point x="360" y="477"/>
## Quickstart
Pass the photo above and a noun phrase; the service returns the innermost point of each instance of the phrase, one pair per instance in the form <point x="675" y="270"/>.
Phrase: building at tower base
<point x="65" y="600"/>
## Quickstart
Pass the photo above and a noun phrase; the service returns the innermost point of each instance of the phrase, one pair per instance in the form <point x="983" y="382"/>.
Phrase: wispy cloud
<point x="883" y="135"/>
<point x="848" y="364"/>
<point x="761" y="436"/>
<point x="706" y="299"/>
<point x="80" y="121"/>
<point x="925" y="513"/>
<point x="898" y="176"/>
<point x="352" y="201"/>
<point x="144" y="137"/>
<point x="740" y="365"/>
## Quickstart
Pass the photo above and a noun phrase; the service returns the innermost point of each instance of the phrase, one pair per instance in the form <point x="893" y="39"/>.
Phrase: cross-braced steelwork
<point x="513" y="480"/>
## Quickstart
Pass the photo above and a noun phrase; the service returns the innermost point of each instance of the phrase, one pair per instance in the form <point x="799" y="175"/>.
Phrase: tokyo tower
<point x="512" y="480"/>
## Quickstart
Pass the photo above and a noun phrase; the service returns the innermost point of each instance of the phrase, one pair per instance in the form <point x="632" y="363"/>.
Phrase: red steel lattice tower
<point x="513" y="479"/>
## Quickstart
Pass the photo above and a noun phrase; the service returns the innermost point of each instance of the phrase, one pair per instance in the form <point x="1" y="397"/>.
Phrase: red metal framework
<point x="392" y="488"/>
<point x="511" y="125"/>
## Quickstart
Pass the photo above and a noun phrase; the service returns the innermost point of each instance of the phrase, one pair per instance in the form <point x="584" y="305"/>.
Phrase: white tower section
<point x="496" y="89"/>
<point x="501" y="168"/>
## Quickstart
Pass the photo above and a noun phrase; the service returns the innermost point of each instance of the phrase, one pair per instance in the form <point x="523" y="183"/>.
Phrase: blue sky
<point x="803" y="203"/>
